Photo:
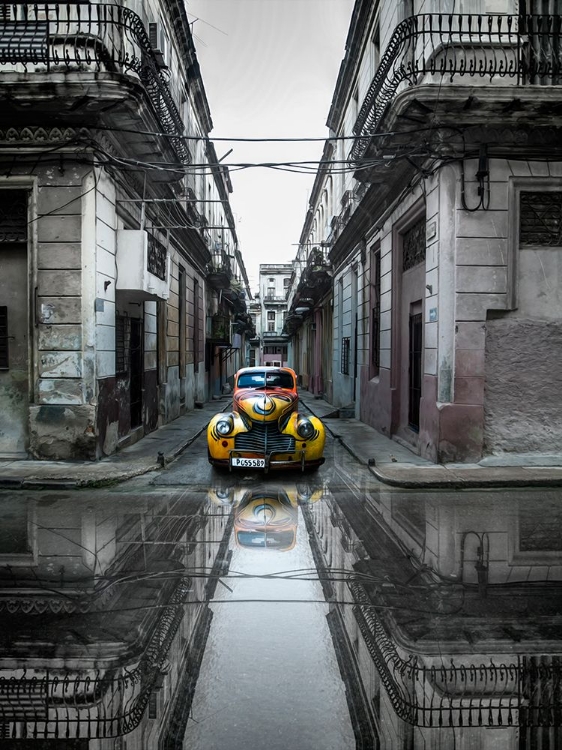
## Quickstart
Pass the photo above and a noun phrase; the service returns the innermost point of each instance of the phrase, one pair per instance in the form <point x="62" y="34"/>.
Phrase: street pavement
<point x="391" y="462"/>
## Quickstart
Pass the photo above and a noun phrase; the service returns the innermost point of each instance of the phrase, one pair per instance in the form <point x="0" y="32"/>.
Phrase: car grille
<point x="264" y="438"/>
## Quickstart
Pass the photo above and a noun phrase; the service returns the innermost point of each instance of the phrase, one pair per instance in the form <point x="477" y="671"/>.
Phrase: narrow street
<point x="322" y="610"/>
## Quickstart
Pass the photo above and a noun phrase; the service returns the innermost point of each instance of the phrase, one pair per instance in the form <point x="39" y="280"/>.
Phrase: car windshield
<point x="269" y="379"/>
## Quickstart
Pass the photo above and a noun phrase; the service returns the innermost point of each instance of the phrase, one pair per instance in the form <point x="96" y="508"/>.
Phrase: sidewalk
<point x="389" y="461"/>
<point x="149" y="454"/>
<point x="394" y="464"/>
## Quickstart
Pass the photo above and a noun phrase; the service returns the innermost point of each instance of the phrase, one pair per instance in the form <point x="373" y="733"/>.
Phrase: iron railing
<point x="92" y="703"/>
<point x="525" y="48"/>
<point x="524" y="692"/>
<point x="77" y="37"/>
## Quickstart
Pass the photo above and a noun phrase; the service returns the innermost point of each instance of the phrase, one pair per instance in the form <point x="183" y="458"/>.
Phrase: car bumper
<point x="272" y="461"/>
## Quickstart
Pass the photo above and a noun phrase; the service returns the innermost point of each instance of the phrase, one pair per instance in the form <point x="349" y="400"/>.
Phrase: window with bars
<point x="540" y="218"/>
<point x="122" y="348"/>
<point x="4" y="352"/>
<point x="413" y="245"/>
<point x="345" y="349"/>
<point x="375" y="310"/>
<point x="13" y="216"/>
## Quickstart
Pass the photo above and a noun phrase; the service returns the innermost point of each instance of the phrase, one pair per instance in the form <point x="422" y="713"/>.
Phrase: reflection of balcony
<point x="470" y="49"/>
<point x="101" y="39"/>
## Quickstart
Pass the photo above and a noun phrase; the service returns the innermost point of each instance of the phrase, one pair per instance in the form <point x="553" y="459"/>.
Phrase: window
<point x="286" y="283"/>
<point x="271" y="281"/>
<point x="413" y="245"/>
<point x="541" y="218"/>
<point x="345" y="347"/>
<point x="271" y="320"/>
<point x="4" y="352"/>
<point x="375" y="311"/>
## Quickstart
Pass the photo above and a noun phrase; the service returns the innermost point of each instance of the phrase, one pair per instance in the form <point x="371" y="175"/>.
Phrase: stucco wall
<point x="523" y="386"/>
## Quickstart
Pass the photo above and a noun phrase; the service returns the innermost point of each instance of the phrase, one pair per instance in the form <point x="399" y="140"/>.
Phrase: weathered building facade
<point x="111" y="211"/>
<point x="443" y="234"/>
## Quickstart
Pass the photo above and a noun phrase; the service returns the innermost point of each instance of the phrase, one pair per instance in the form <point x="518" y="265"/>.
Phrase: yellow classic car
<point x="264" y="430"/>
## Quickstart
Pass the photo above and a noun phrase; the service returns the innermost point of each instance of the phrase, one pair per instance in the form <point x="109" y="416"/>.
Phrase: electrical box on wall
<point x="143" y="265"/>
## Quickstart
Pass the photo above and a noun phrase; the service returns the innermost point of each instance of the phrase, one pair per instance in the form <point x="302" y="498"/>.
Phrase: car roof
<point x="267" y="368"/>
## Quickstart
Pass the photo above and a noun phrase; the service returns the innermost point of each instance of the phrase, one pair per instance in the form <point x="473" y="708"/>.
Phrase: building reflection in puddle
<point x="456" y="603"/>
<point x="134" y="618"/>
<point x="104" y="612"/>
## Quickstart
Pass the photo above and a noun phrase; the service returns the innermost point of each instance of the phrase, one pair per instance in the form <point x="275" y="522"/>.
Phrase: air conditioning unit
<point x="143" y="265"/>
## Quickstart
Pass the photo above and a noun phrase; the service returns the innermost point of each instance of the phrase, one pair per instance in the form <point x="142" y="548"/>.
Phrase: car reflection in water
<point x="266" y="517"/>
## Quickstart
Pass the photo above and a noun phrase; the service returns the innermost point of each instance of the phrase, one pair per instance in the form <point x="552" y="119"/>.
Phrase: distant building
<point x="427" y="281"/>
<point x="274" y="282"/>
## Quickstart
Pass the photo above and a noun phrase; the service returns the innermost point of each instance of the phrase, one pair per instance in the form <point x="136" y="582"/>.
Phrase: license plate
<point x="248" y="463"/>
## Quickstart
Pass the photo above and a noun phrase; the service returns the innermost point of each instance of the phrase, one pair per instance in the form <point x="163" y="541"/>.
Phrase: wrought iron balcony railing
<point x="526" y="49"/>
<point x="88" y="704"/>
<point x="523" y="692"/>
<point x="83" y="36"/>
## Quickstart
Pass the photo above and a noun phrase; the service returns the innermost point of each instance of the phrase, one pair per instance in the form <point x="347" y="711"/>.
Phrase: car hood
<point x="265" y="405"/>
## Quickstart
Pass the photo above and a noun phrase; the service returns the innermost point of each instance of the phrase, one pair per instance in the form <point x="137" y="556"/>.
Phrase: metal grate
<point x="122" y="339"/>
<point x="541" y="219"/>
<point x="13" y="214"/>
<point x="264" y="438"/>
<point x="413" y="245"/>
<point x="345" y="347"/>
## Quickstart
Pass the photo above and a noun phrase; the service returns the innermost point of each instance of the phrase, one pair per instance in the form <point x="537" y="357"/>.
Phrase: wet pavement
<point x="187" y="608"/>
<point x="391" y="462"/>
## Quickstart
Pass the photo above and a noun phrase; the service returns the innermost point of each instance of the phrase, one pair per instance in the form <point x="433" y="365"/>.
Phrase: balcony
<point x="41" y="41"/>
<point x="219" y="272"/>
<point x="431" y="52"/>
<point x="272" y="299"/>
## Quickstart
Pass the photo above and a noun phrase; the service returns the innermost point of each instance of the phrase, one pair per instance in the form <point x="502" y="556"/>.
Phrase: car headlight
<point x="305" y="429"/>
<point x="224" y="426"/>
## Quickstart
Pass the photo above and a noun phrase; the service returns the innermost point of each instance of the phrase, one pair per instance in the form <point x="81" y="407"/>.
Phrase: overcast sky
<point x="269" y="68"/>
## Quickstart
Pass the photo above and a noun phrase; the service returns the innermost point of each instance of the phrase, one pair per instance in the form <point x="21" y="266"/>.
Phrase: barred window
<point x="541" y="218"/>
<point x="13" y="216"/>
<point x="345" y="348"/>
<point x="4" y="354"/>
<point x="122" y="339"/>
<point x="157" y="255"/>
<point x="413" y="245"/>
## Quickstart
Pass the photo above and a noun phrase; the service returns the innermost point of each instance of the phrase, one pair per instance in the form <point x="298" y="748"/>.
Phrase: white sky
<point x="269" y="68"/>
